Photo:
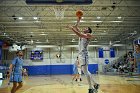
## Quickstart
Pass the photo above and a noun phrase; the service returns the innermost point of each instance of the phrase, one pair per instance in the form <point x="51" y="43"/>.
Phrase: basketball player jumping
<point x="84" y="39"/>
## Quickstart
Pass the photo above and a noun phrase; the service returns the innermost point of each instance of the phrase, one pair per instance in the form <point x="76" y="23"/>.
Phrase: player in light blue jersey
<point x="16" y="72"/>
<point x="137" y="57"/>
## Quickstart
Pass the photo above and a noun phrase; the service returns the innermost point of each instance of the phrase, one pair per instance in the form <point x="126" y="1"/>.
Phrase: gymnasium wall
<point x="53" y="65"/>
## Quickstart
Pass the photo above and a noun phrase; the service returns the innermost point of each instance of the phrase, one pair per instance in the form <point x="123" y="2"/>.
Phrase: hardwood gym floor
<point x="62" y="84"/>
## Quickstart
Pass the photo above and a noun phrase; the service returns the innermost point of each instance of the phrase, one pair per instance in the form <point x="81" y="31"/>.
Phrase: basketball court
<point x="62" y="84"/>
<point x="41" y="28"/>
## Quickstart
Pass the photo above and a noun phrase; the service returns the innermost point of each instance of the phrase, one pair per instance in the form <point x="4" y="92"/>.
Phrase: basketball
<point x="79" y="13"/>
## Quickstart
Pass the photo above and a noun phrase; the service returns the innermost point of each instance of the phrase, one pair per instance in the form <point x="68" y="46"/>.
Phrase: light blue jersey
<point x="137" y="58"/>
<point x="16" y="75"/>
<point x="18" y="63"/>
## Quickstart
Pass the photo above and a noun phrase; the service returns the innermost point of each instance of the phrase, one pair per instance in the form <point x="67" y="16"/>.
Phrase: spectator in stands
<point x="130" y="62"/>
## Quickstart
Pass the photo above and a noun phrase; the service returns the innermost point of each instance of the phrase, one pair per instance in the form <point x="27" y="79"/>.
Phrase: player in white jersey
<point x="77" y="72"/>
<point x="84" y="39"/>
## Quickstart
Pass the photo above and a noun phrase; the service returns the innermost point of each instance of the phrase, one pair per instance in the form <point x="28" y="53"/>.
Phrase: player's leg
<point x="91" y="82"/>
<point x="20" y="84"/>
<point x="13" y="90"/>
<point x="19" y="80"/>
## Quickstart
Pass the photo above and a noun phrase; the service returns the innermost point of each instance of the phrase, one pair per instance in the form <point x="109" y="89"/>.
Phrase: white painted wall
<point x="68" y="56"/>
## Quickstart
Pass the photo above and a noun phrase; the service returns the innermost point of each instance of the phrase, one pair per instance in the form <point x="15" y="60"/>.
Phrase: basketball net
<point x="59" y="12"/>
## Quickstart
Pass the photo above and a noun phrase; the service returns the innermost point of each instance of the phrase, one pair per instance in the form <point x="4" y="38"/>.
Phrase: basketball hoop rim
<point x="59" y="11"/>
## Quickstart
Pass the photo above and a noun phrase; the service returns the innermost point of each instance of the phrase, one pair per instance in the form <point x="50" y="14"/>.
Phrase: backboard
<point x="60" y="2"/>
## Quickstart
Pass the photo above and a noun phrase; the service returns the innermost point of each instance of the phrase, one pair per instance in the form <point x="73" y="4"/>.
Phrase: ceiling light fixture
<point x="117" y="41"/>
<point x="20" y="18"/>
<point x="116" y="21"/>
<point x="42" y="34"/>
<point x="80" y="21"/>
<point x="98" y="17"/>
<point x="37" y="21"/>
<point x="119" y="17"/>
<point x="35" y="18"/>
<point x="71" y="34"/>
<point x="97" y="21"/>
<point x="73" y="39"/>
<point x="31" y="41"/>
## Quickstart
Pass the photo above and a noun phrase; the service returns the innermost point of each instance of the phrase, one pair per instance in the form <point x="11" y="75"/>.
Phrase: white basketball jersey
<point x="83" y="43"/>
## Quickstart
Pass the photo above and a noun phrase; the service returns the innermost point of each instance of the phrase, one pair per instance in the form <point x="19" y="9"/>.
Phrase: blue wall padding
<point x="56" y="69"/>
<point x="101" y="52"/>
<point x="112" y="52"/>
